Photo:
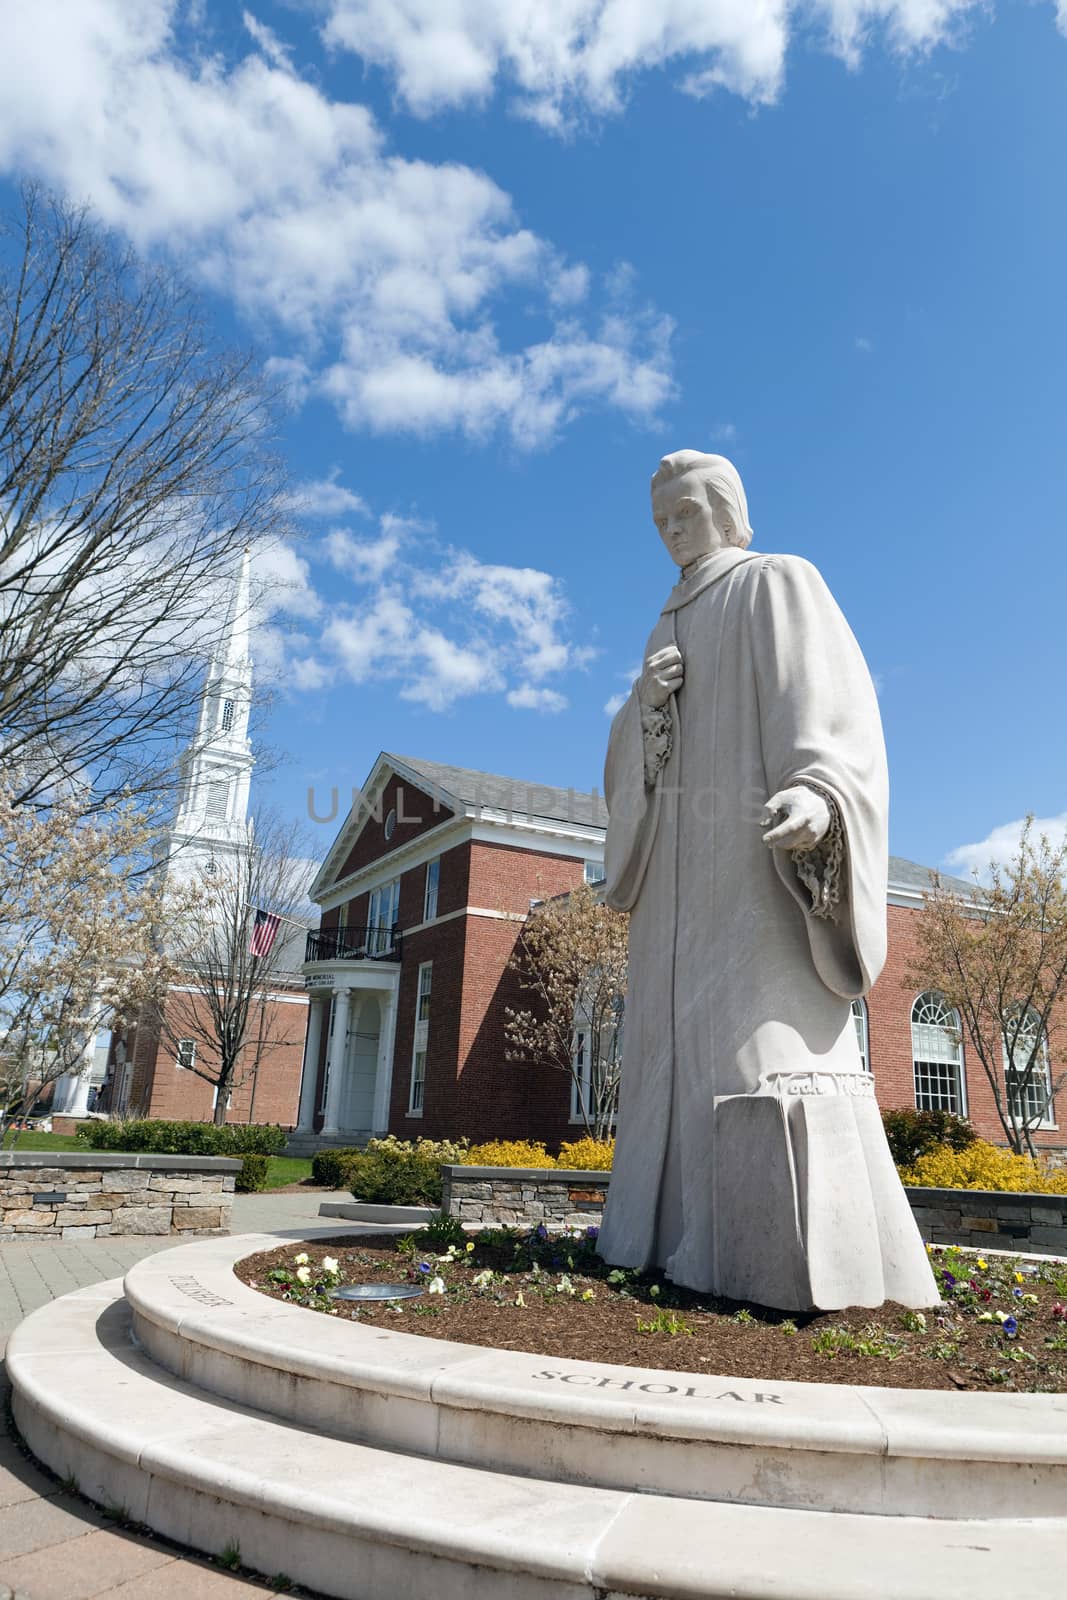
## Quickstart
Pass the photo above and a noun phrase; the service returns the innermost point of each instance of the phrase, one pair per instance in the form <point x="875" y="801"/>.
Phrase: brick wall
<point x="160" y="1088"/>
<point x="471" y="1087"/>
<point x="416" y="813"/>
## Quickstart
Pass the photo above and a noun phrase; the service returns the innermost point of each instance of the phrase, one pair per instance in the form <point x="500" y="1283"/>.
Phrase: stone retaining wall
<point x="517" y="1196"/>
<point x="523" y="1197"/>
<point x="992" y="1220"/>
<point x="60" y="1194"/>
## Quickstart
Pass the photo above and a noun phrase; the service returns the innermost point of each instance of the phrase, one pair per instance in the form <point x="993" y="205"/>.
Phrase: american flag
<point x="264" y="932"/>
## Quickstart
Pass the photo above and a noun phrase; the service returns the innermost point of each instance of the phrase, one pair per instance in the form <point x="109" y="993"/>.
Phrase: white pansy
<point x="303" y="1274"/>
<point x="302" y="1259"/>
<point x="329" y="1264"/>
<point x="436" y="1285"/>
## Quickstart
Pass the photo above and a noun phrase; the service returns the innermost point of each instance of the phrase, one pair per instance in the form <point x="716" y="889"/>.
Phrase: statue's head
<point x="699" y="505"/>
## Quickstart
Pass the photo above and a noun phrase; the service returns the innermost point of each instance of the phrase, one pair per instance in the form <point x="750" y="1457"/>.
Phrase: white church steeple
<point x="216" y="770"/>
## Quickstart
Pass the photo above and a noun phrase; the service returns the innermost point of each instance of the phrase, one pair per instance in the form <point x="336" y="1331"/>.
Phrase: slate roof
<point x="910" y="875"/>
<point x="524" y="798"/>
<point x="499" y="793"/>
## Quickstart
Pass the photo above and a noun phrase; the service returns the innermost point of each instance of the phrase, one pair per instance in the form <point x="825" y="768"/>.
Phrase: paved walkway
<point x="53" y="1545"/>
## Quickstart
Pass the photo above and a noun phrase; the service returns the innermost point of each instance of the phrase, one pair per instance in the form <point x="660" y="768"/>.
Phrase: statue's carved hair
<point x="715" y="472"/>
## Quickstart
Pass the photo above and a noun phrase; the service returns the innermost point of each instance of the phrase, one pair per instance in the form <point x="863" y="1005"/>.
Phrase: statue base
<point x="810" y="1214"/>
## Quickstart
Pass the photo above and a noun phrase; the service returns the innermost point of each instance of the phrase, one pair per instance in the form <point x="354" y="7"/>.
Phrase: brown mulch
<point x="954" y="1351"/>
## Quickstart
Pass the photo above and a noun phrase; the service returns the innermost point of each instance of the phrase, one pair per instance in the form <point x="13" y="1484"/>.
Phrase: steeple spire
<point x="212" y="818"/>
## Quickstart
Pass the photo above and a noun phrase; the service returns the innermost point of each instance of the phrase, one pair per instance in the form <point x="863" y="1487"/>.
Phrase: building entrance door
<point x="357" y="1107"/>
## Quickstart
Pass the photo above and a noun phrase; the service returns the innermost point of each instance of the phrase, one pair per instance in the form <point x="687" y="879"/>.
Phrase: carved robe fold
<point x="750" y="1158"/>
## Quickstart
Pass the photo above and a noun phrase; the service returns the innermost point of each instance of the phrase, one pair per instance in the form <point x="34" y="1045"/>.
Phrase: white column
<point x="383" y="1077"/>
<point x="78" y="1104"/>
<point x="309" y="1075"/>
<point x="338" y="1060"/>
<point x="78" y="1083"/>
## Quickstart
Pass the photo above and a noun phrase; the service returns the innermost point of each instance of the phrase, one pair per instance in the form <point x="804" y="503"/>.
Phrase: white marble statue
<point x="747" y="790"/>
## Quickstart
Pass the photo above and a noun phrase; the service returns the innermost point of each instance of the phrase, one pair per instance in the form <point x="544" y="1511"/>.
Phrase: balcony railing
<point x="353" y="944"/>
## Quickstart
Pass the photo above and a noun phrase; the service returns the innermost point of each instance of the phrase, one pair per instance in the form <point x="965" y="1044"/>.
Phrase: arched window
<point x="937" y="1055"/>
<point x="859" y="1019"/>
<point x="1031" y="1100"/>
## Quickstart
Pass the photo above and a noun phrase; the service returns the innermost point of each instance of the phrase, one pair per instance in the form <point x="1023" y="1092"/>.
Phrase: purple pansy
<point x="1011" y="1327"/>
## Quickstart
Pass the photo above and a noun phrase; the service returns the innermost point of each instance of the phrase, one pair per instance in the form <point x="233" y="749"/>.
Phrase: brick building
<point x="423" y="894"/>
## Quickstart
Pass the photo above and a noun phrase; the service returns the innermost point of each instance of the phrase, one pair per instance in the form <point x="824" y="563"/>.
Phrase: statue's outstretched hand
<point x="796" y="818"/>
<point x="662" y="676"/>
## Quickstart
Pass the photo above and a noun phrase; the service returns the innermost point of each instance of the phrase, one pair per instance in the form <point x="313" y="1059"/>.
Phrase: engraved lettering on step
<point x="196" y="1291"/>
<point x="657" y="1389"/>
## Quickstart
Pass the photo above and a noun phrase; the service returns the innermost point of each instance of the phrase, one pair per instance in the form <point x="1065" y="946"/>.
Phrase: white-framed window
<point x="227" y="715"/>
<point x="186" y="1055"/>
<point x="1030" y="1102"/>
<point x="383" y="913"/>
<point x="593" y="871"/>
<point x="937" y="1055"/>
<point x="390" y="824"/>
<point x="342" y="923"/>
<point x="581" y="1085"/>
<point x="433" y="881"/>
<point x="859" y="1022"/>
<point x="422" y="1033"/>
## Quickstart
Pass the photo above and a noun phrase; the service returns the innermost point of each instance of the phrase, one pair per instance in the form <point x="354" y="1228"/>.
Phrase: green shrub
<point x="912" y="1134"/>
<point x="157" y="1137"/>
<point x="397" y="1177"/>
<point x="328" y="1167"/>
<point x="253" y="1174"/>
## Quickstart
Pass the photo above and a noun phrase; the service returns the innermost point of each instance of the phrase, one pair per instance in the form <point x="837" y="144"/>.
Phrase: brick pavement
<point x="54" y="1545"/>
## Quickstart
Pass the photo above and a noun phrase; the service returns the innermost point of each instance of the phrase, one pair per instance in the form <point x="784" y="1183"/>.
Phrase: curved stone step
<point x="825" y="1447"/>
<point x="364" y="1523"/>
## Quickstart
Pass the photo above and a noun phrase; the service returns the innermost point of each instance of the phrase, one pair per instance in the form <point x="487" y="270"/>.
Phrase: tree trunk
<point x="222" y="1096"/>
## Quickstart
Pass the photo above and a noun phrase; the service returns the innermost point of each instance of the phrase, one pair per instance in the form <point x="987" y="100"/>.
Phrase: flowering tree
<point x="230" y="969"/>
<point x="1000" y="960"/>
<point x="571" y="959"/>
<point x="78" y="915"/>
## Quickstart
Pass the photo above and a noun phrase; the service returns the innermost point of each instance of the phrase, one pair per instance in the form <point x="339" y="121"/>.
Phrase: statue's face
<point x="691" y="520"/>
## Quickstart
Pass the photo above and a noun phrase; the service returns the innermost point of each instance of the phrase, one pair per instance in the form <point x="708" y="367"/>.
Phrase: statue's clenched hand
<point x="662" y="677"/>
<point x="800" y="818"/>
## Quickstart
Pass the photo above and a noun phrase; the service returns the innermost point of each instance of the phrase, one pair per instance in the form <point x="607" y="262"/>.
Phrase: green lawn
<point x="282" y="1170"/>
<point x="46" y="1141"/>
<point x="287" y="1169"/>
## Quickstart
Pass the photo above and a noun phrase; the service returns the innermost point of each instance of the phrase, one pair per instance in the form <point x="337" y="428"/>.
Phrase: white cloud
<point x="366" y="560"/>
<point x="863" y="344"/>
<point x="527" y="698"/>
<point x="381" y="275"/>
<point x="562" y="58"/>
<point x="326" y="497"/>
<point x="440" y="623"/>
<point x="723" y="432"/>
<point x="1003" y="842"/>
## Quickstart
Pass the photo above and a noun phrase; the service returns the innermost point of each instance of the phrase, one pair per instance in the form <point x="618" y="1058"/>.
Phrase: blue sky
<point x="508" y="254"/>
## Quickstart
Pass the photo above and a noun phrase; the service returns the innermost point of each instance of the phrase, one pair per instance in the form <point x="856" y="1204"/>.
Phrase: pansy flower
<point x="1011" y="1327"/>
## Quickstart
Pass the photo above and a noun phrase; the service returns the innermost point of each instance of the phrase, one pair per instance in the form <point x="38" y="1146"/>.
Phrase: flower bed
<point x="1003" y="1324"/>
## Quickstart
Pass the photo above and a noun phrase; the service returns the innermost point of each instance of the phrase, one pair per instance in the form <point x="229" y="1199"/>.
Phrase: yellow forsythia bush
<point x="451" y="1151"/>
<point x="983" y="1166"/>
<point x="507" y="1153"/>
<point x="589" y="1155"/>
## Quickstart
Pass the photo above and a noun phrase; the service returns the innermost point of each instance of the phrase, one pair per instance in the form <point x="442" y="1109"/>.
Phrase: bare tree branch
<point x="1000" y="959"/>
<point x="135" y="465"/>
<point x="224" y="1002"/>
